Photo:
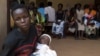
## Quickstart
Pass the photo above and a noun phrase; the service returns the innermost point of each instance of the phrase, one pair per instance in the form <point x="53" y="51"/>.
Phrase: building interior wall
<point x="3" y="21"/>
<point x="68" y="3"/>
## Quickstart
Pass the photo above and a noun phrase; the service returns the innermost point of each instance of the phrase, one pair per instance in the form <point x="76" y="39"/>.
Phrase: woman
<point x="22" y="40"/>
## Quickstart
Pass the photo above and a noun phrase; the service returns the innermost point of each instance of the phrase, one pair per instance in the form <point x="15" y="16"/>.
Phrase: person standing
<point x="50" y="16"/>
<point x="79" y="16"/>
<point x="41" y="10"/>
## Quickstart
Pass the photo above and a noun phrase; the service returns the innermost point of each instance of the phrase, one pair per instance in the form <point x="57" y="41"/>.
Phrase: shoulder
<point x="33" y="28"/>
<point x="52" y="8"/>
<point x="12" y="34"/>
<point x="11" y="38"/>
<point x="33" y="31"/>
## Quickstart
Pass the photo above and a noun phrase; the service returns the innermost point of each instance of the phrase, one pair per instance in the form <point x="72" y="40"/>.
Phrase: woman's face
<point x="21" y="18"/>
<point x="44" y="40"/>
<point x="60" y="7"/>
<point x="78" y="6"/>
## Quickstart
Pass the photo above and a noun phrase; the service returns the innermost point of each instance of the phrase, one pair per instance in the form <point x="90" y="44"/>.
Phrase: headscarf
<point x="47" y="36"/>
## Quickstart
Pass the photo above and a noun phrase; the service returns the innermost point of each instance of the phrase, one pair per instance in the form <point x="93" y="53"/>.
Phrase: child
<point x="81" y="28"/>
<point x="91" y="31"/>
<point x="43" y="48"/>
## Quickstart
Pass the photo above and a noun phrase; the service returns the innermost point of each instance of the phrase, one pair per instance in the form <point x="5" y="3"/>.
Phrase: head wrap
<point x="47" y="36"/>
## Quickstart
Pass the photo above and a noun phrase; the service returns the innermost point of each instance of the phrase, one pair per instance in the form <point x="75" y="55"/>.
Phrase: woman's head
<point x="45" y="39"/>
<point x="21" y="17"/>
<point x="49" y="3"/>
<point x="86" y="6"/>
<point x="78" y="6"/>
<point x="60" y="6"/>
<point x="31" y="5"/>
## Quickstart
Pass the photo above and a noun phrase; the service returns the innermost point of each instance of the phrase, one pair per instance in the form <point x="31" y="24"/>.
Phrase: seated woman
<point x="71" y="26"/>
<point x="57" y="28"/>
<point x="43" y="48"/>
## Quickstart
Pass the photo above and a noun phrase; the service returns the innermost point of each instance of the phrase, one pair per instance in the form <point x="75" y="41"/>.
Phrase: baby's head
<point x="45" y="39"/>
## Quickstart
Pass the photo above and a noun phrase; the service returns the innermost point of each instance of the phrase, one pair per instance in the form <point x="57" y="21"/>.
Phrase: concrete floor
<point x="71" y="47"/>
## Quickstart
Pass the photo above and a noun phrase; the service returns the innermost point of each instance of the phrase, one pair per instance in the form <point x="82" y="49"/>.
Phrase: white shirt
<point x="51" y="13"/>
<point x="80" y="14"/>
<point x="81" y="27"/>
<point x="58" y="28"/>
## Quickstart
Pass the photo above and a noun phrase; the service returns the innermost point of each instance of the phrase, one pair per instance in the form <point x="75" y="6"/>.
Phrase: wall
<point x="69" y="2"/>
<point x="3" y="20"/>
<point x="32" y="1"/>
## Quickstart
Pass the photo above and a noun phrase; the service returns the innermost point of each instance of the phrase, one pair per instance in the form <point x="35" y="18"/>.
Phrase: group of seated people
<point x="75" y="20"/>
<point x="78" y="21"/>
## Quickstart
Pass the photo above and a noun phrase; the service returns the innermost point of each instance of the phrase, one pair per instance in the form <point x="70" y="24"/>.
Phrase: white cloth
<point x="51" y="13"/>
<point x="58" y="29"/>
<point x="86" y="14"/>
<point x="97" y="24"/>
<point x="71" y="30"/>
<point x="80" y="14"/>
<point x="85" y="21"/>
<point x="90" y="30"/>
<point x="81" y="27"/>
<point x="44" y="50"/>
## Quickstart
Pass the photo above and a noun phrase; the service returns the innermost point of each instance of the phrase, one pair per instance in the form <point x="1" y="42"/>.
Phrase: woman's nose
<point x="22" y="20"/>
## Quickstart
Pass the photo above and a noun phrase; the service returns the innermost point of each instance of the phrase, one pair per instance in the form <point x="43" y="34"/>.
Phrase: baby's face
<point x="44" y="40"/>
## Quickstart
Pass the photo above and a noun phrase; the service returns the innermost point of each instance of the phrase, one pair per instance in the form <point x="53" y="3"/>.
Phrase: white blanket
<point x="44" y="50"/>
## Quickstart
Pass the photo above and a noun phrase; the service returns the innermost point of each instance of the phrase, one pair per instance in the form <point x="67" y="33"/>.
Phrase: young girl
<point x="43" y="48"/>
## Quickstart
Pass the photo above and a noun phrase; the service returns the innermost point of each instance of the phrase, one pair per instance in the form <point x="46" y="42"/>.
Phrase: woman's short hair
<point x="17" y="6"/>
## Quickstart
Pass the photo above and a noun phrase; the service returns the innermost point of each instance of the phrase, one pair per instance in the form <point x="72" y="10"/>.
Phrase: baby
<point x="43" y="48"/>
<point x="91" y="31"/>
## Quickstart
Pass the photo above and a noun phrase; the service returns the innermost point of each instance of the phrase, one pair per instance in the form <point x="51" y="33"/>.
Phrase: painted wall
<point x="69" y="2"/>
<point x="3" y="20"/>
